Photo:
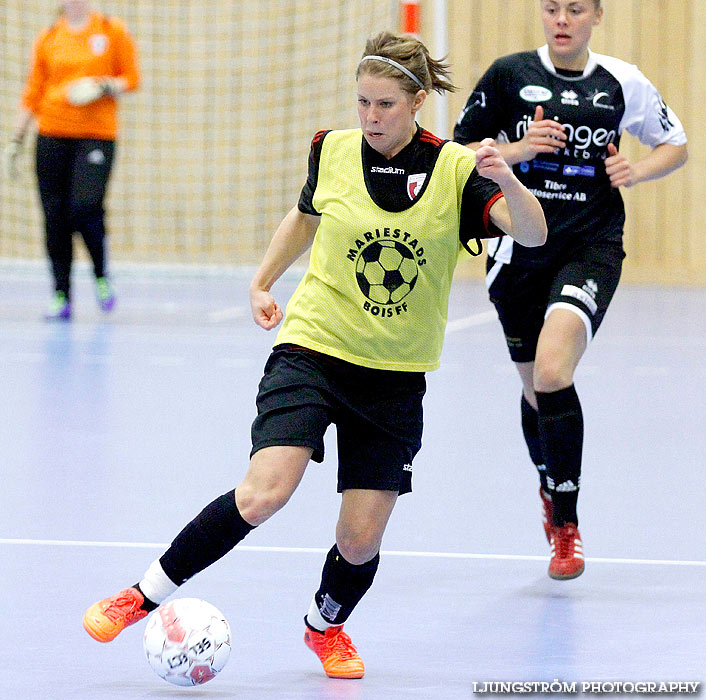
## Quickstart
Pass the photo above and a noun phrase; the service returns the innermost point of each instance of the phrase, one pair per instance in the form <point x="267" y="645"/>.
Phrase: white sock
<point x="313" y="617"/>
<point x="156" y="585"/>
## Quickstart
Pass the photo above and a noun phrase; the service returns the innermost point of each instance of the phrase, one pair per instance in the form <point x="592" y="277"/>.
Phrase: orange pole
<point x="409" y="16"/>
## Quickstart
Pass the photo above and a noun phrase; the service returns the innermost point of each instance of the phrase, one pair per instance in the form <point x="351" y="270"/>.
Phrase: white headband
<point x="399" y="66"/>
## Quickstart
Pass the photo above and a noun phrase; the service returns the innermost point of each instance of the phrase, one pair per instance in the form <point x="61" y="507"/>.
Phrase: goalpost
<point x="435" y="15"/>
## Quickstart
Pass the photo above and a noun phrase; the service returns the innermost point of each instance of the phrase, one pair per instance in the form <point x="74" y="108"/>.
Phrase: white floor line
<point x="318" y="550"/>
<point x="226" y="314"/>
<point x="479" y="319"/>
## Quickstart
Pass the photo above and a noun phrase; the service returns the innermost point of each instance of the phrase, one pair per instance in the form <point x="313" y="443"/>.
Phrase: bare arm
<point x="519" y="213"/>
<point x="660" y="161"/>
<point x="292" y="238"/>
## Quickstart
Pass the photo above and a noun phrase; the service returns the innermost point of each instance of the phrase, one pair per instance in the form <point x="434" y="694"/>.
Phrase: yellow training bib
<point x="377" y="287"/>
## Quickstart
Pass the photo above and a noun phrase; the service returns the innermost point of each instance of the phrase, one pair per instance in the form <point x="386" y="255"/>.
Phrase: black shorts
<point x="523" y="296"/>
<point x="378" y="415"/>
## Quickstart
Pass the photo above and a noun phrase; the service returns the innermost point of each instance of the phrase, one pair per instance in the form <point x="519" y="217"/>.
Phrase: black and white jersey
<point x="595" y="106"/>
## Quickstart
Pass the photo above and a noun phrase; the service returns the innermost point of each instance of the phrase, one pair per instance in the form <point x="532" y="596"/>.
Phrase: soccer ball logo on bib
<point x="386" y="271"/>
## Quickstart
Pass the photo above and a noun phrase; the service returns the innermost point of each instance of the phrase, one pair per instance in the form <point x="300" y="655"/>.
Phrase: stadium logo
<point x="386" y="272"/>
<point x="387" y="171"/>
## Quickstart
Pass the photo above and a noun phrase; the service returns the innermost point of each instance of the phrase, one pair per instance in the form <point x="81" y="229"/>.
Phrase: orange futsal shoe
<point x="567" y="552"/>
<point x="547" y="513"/>
<point x="336" y="652"/>
<point x="105" y="620"/>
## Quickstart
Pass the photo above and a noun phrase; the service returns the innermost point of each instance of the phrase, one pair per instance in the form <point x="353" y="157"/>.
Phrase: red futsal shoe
<point x="336" y="652"/>
<point x="106" y="619"/>
<point x="567" y="552"/>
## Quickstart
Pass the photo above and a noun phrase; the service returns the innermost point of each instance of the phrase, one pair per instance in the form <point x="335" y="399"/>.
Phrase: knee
<point x="552" y="373"/>
<point x="56" y="220"/>
<point x="257" y="504"/>
<point x="85" y="211"/>
<point x="358" y="548"/>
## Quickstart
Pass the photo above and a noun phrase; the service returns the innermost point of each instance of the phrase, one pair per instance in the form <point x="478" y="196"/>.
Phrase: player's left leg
<point x="379" y="432"/>
<point x="562" y="343"/>
<point x="581" y="293"/>
<point x="53" y="167"/>
<point x="92" y="167"/>
<point x="348" y="573"/>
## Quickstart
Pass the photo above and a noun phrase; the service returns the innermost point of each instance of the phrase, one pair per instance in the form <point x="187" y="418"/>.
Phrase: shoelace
<point x="116" y="609"/>
<point x="564" y="542"/>
<point x="341" y="643"/>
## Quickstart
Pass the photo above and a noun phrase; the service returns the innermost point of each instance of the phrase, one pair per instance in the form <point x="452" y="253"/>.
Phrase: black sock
<point x="561" y="437"/>
<point x="148" y="605"/>
<point x="530" y="429"/>
<point x="208" y="537"/>
<point x="343" y="585"/>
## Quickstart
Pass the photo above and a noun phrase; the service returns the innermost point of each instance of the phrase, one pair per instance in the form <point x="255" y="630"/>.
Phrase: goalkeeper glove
<point x="86" y="90"/>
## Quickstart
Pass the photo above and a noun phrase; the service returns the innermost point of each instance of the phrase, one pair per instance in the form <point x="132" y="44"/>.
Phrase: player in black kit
<point x="558" y="114"/>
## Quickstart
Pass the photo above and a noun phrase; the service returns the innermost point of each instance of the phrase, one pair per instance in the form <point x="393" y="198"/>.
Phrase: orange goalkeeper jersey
<point x="104" y="48"/>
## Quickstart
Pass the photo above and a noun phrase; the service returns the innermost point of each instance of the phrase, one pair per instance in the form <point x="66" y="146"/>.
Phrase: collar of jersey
<point x="543" y="53"/>
<point x="398" y="156"/>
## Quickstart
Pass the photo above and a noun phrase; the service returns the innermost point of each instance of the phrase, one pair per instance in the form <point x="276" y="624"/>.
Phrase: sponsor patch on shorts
<point x="568" y="290"/>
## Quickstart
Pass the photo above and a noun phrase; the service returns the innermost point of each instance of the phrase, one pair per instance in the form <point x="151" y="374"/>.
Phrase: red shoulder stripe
<point x="430" y="138"/>
<point x="486" y="211"/>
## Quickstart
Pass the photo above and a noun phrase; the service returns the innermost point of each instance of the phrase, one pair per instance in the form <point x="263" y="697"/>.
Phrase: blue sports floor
<point x="116" y="431"/>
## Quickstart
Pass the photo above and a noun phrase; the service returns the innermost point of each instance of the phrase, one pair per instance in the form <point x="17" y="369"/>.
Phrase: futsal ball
<point x="386" y="271"/>
<point x="187" y="641"/>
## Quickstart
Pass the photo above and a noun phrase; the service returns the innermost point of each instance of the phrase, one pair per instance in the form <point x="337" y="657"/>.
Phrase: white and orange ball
<point x="187" y="641"/>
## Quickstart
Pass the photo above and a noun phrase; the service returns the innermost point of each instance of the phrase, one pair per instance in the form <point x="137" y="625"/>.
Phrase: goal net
<point x="212" y="150"/>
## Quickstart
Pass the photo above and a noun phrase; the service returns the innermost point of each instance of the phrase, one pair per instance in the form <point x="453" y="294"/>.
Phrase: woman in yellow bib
<point x="385" y="210"/>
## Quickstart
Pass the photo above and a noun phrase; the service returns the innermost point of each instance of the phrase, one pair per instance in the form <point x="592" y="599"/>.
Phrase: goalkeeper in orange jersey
<point x="80" y="65"/>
